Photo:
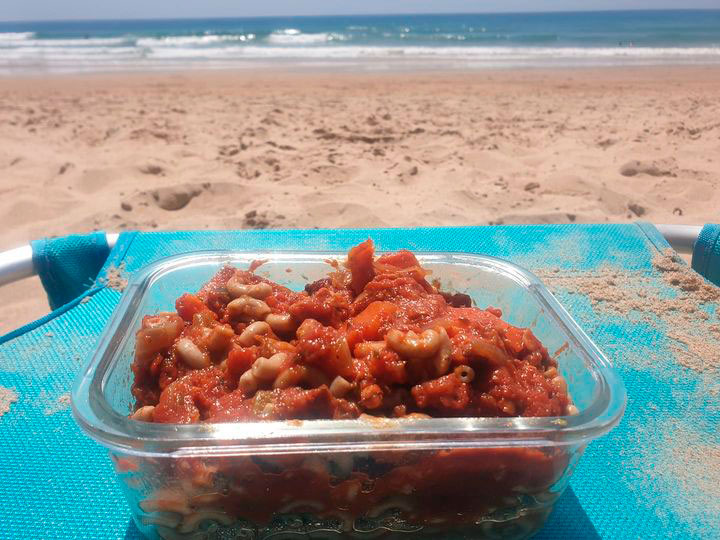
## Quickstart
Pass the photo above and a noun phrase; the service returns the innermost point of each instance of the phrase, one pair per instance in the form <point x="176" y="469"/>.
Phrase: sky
<point x="34" y="10"/>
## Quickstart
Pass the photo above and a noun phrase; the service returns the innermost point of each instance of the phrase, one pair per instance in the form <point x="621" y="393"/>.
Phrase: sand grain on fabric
<point x="115" y="277"/>
<point x="7" y="398"/>
<point x="684" y="468"/>
<point x="53" y="406"/>
<point x="687" y="315"/>
<point x="677" y="274"/>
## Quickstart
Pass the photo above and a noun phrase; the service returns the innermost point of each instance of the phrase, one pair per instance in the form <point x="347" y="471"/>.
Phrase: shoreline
<point x="363" y="68"/>
<point x="589" y="73"/>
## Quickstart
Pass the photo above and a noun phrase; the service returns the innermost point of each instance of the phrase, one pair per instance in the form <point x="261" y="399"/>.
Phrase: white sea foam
<point x="224" y="51"/>
<point x="90" y="42"/>
<point x="470" y="53"/>
<point x="180" y="53"/>
<point x="15" y="36"/>
<point x="184" y="41"/>
<point x="291" y="36"/>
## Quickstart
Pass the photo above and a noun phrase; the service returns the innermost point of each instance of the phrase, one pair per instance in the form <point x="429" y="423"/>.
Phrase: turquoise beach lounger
<point x="636" y="482"/>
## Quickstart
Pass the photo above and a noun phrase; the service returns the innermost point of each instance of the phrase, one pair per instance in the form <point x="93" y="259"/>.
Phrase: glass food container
<point x="458" y="478"/>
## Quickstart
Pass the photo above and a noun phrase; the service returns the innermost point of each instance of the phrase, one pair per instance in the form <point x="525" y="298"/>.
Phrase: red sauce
<point x="345" y="324"/>
<point x="374" y="337"/>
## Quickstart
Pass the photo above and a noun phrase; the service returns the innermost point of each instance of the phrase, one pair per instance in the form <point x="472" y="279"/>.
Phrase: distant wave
<point x="292" y="36"/>
<point x="182" y="41"/>
<point x="15" y="36"/>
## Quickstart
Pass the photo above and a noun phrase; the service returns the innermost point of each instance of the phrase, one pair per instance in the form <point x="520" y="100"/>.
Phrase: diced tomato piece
<point x="185" y="400"/>
<point x="239" y="360"/>
<point x="514" y="339"/>
<point x="326" y="348"/>
<point x="388" y="368"/>
<point x="188" y="305"/>
<point x="367" y="325"/>
<point x="328" y="306"/>
<point x="360" y="263"/>
<point x="399" y="259"/>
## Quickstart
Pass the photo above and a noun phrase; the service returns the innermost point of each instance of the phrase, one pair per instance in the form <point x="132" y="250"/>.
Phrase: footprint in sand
<point x="175" y="197"/>
<point x="637" y="209"/>
<point x="606" y="143"/>
<point x="663" y="167"/>
<point x="155" y="170"/>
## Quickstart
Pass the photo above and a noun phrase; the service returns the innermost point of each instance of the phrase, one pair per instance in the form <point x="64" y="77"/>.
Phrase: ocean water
<point x="379" y="42"/>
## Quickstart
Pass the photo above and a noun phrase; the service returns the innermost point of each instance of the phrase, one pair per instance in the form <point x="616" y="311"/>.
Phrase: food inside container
<point x="368" y="396"/>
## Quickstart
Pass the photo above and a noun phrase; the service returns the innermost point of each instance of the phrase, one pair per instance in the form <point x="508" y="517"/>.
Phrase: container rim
<point x="117" y="432"/>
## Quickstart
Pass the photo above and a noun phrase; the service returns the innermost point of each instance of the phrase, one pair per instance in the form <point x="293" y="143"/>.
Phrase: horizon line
<point x="227" y="17"/>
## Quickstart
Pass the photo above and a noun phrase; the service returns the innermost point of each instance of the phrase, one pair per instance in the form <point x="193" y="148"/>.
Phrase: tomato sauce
<point x="375" y="338"/>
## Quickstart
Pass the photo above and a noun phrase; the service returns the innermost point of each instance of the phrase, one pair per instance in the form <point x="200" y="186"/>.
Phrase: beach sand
<point x="275" y="150"/>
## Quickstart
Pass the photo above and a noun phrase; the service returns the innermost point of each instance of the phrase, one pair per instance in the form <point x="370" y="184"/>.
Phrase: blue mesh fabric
<point x="706" y="253"/>
<point x="56" y="483"/>
<point x="68" y="266"/>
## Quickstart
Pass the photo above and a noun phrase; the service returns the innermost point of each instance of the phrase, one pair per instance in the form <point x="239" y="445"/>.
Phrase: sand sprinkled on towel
<point x="115" y="277"/>
<point x="676" y="458"/>
<point x="54" y="405"/>
<point x="683" y="469"/>
<point x="7" y="397"/>
<point x="688" y="314"/>
<point x="64" y="401"/>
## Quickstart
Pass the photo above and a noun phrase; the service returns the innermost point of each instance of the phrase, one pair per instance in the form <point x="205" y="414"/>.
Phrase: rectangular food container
<point x="427" y="478"/>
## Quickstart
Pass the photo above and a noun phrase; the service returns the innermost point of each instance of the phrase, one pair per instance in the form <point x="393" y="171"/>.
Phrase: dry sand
<point x="242" y="150"/>
<point x="7" y="398"/>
